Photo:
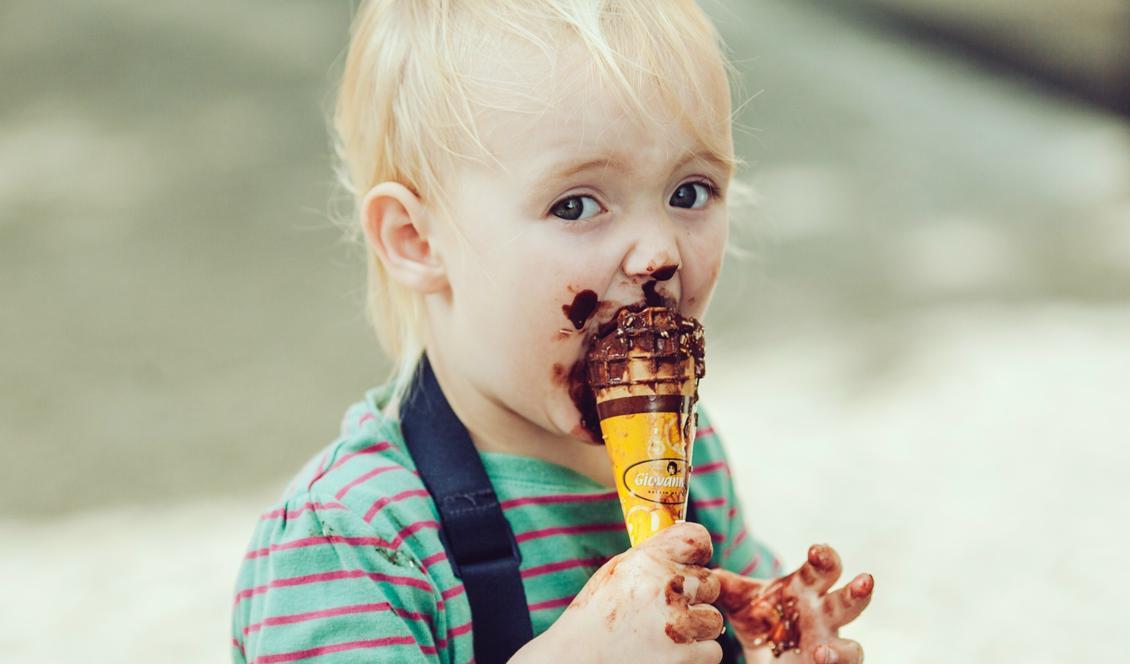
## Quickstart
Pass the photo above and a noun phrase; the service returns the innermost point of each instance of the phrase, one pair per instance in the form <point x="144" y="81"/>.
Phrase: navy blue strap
<point x="479" y="542"/>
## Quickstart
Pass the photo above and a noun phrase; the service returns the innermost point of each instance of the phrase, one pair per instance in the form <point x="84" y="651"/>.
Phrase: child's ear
<point x="397" y="228"/>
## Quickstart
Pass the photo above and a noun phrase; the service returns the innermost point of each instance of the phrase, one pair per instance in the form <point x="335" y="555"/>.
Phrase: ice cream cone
<point x="644" y="373"/>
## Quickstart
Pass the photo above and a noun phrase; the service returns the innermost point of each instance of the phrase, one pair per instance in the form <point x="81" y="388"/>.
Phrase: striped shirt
<point x="348" y="566"/>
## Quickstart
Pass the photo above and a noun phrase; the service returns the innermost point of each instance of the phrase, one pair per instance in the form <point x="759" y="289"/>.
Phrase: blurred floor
<point x="922" y="360"/>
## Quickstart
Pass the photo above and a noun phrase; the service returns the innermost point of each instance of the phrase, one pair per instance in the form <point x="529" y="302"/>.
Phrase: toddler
<point x="522" y="169"/>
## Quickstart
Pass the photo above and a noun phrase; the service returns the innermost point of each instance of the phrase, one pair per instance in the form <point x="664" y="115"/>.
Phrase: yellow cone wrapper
<point x="644" y="373"/>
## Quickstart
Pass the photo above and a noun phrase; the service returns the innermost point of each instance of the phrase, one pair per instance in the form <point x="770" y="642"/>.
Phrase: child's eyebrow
<point x="570" y="168"/>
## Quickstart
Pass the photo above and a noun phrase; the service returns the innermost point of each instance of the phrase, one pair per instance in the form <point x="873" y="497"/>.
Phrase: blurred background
<point x="922" y="356"/>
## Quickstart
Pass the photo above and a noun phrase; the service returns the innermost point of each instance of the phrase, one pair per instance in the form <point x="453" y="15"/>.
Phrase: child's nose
<point x="655" y="248"/>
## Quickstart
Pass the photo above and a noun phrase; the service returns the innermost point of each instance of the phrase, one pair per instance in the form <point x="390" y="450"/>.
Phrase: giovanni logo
<point x="657" y="480"/>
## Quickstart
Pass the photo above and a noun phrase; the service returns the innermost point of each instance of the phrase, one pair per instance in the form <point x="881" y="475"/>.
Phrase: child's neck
<point x="494" y="427"/>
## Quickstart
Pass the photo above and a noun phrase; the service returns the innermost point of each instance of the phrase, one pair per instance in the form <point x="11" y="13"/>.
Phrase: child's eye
<point x="576" y="208"/>
<point x="691" y="195"/>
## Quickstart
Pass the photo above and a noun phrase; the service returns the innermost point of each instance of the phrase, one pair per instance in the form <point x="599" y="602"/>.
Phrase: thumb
<point x="687" y="543"/>
<point x="736" y="591"/>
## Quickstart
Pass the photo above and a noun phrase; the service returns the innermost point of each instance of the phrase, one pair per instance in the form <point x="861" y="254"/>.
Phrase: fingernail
<point x="818" y="556"/>
<point x="863" y="587"/>
<point x="829" y="656"/>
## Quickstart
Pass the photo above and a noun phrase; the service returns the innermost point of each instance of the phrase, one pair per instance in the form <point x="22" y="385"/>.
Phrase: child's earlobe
<point x="396" y="226"/>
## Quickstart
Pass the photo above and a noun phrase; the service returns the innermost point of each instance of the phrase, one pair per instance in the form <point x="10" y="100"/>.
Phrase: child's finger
<point x="687" y="543"/>
<point x="704" y="651"/>
<point x="845" y="604"/>
<point x="706" y="586"/>
<point x="736" y="591"/>
<point x="821" y="570"/>
<point x="701" y="622"/>
<point x="838" y="651"/>
<point x="705" y="621"/>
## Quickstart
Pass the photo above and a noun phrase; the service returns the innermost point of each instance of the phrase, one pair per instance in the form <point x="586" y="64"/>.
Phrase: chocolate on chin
<point x="643" y="369"/>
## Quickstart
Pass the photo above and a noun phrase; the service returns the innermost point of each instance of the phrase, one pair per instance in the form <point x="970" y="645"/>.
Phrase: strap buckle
<point x="470" y="534"/>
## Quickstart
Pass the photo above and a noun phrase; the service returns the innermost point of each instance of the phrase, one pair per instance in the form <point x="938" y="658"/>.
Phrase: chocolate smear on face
<point x="653" y="298"/>
<point x="582" y="308"/>
<point x="664" y="273"/>
<point x="584" y="399"/>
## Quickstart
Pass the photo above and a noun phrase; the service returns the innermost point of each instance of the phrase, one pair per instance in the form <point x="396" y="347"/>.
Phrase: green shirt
<point x="348" y="565"/>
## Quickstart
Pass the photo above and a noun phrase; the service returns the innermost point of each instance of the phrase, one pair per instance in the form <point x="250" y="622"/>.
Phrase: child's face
<point x="583" y="198"/>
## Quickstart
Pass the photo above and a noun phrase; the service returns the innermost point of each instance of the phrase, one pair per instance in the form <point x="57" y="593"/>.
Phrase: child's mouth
<point x="586" y="305"/>
<point x="644" y="348"/>
<point x="592" y="318"/>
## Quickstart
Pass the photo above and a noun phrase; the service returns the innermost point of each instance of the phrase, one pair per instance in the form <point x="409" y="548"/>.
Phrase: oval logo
<point x="661" y="481"/>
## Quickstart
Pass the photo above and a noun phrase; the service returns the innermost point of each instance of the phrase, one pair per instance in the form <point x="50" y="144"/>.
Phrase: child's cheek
<point x="575" y="321"/>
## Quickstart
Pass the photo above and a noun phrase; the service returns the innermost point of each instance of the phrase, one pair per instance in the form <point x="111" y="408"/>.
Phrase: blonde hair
<point x="405" y="104"/>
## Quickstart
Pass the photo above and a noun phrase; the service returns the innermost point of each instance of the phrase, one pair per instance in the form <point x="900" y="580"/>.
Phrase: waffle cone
<point x="650" y="352"/>
<point x="644" y="373"/>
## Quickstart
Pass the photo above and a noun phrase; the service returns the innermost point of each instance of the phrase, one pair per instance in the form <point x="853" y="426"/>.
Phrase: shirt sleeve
<point x="735" y="547"/>
<point x="318" y="581"/>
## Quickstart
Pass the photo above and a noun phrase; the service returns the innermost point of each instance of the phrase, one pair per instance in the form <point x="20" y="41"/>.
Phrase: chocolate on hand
<point x="795" y="615"/>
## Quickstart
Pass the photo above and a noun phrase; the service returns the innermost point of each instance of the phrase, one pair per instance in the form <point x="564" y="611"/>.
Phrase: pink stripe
<point x="711" y="467"/>
<point x="364" y="477"/>
<point x="748" y="569"/>
<point x="333" y="576"/>
<point x="290" y="514"/>
<point x="379" y="504"/>
<point x="558" y="498"/>
<point x="341" y="647"/>
<point x="552" y="603"/>
<point x="401" y="581"/>
<point x="776" y="566"/>
<point x="717" y="538"/>
<point x="412" y="529"/>
<point x="322" y="471"/>
<point x="732" y="512"/>
<point x="372" y="449"/>
<point x="413" y="615"/>
<point x="315" y="615"/>
<point x="239" y="646"/>
<point x="569" y="530"/>
<point x="737" y="540"/>
<point x="705" y="431"/>
<point x="433" y="559"/>
<point x="316" y="541"/>
<point x="712" y="502"/>
<point x="453" y="592"/>
<point x="452" y="633"/>
<point x="564" y="564"/>
<point x="367" y="417"/>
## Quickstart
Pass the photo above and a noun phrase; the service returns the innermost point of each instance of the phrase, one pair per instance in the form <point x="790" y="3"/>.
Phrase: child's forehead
<point x="558" y="105"/>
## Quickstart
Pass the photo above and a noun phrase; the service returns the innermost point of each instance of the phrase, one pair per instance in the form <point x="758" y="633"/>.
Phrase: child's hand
<point x="795" y="614"/>
<point x="651" y="603"/>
